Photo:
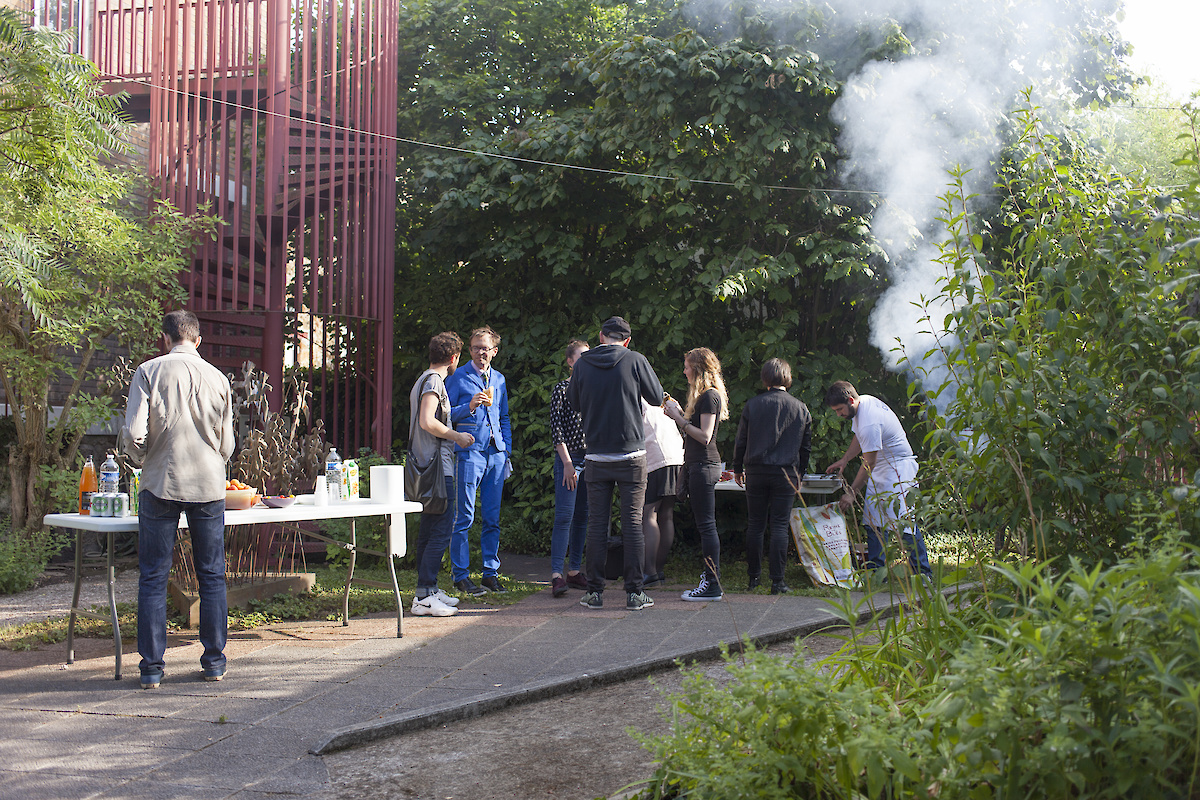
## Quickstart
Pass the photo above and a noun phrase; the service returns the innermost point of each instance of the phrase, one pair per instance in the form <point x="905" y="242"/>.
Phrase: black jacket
<point x="606" y="385"/>
<point x="775" y="432"/>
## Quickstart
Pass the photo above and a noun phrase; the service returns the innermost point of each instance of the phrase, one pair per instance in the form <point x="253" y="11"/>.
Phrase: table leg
<point x="391" y="559"/>
<point x="349" y="576"/>
<point x="75" y="596"/>
<point x="112" y="603"/>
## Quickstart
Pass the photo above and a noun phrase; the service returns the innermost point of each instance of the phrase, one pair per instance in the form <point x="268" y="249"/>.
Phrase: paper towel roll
<point x="387" y="486"/>
<point x="387" y="482"/>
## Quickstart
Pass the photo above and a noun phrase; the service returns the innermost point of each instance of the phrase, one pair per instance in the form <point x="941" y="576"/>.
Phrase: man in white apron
<point x="888" y="471"/>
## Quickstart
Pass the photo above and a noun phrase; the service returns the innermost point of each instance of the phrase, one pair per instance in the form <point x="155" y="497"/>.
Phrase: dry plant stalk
<point x="273" y="454"/>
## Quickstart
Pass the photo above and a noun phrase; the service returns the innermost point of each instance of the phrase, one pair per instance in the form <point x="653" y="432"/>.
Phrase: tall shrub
<point x="80" y="266"/>
<point x="1076" y="387"/>
<point x="708" y="257"/>
<point x="1082" y="684"/>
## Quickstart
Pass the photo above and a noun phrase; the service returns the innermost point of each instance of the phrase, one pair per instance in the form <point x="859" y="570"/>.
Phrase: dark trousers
<point x="433" y="537"/>
<point x="158" y="524"/>
<point x="702" y="494"/>
<point x="769" y="497"/>
<point x="629" y="478"/>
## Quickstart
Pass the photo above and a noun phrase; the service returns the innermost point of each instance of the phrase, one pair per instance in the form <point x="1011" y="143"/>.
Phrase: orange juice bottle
<point x="87" y="486"/>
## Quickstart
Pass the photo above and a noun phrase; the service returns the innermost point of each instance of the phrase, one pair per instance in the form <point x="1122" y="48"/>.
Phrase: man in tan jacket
<point x="179" y="427"/>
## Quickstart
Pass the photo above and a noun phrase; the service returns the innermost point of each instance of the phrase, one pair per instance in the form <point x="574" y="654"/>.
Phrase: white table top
<point x="363" y="507"/>
<point x="731" y="486"/>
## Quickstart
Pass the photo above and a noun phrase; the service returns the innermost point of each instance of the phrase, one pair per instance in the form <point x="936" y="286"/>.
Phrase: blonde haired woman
<point x="707" y="405"/>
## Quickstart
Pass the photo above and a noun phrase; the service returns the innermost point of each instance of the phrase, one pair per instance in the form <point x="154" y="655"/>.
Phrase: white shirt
<point x="879" y="431"/>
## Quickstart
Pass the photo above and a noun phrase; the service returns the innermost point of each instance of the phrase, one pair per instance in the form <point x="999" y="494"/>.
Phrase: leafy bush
<point x="1082" y="685"/>
<point x="1076" y="379"/>
<point x="22" y="558"/>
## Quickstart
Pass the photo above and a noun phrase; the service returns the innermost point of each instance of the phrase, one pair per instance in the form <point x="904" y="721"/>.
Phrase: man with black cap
<point x="607" y="385"/>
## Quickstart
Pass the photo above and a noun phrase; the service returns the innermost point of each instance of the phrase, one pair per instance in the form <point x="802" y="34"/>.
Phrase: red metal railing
<point x="278" y="119"/>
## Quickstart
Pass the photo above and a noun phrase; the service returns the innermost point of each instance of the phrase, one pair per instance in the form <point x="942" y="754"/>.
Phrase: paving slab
<point x="297" y="691"/>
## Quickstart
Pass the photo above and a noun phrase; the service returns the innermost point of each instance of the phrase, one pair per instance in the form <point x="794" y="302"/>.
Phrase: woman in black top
<point x="770" y="457"/>
<point x="707" y="405"/>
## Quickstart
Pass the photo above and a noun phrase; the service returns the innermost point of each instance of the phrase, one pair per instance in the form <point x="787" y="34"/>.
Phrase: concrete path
<point x="294" y="691"/>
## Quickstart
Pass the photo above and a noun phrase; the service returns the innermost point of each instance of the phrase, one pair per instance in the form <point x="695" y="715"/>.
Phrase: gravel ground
<point x="567" y="748"/>
<point x="53" y="597"/>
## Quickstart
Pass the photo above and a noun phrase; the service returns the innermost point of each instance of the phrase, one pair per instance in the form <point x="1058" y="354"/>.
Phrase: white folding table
<point x="394" y="510"/>
<point x="823" y="489"/>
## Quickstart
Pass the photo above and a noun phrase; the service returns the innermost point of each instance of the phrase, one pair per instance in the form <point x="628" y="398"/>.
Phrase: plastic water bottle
<point x="333" y="474"/>
<point x="110" y="476"/>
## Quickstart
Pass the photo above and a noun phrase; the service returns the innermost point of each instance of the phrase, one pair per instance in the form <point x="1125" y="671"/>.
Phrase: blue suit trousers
<point x="479" y="472"/>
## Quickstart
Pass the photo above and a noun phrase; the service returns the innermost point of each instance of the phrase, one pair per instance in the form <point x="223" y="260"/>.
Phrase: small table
<point x="824" y="488"/>
<point x="349" y="509"/>
<point x="732" y="486"/>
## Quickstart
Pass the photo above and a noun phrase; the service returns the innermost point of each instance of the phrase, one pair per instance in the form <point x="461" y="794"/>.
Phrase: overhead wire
<point x="505" y="156"/>
<point x="555" y="164"/>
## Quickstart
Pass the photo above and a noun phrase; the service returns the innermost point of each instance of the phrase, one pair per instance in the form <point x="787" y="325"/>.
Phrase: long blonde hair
<point x="707" y="367"/>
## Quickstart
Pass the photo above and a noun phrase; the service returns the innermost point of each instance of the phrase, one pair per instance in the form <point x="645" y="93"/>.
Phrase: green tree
<point x="1140" y="138"/>
<point x="1077" y="355"/>
<point x="82" y="269"/>
<point x="702" y="201"/>
<point x="735" y="245"/>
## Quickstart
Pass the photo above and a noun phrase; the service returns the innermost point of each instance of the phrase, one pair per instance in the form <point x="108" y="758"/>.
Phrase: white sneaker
<point x="445" y="598"/>
<point x="432" y="606"/>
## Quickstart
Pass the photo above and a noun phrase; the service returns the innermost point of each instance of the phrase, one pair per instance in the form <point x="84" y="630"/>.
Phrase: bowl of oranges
<point x="239" y="496"/>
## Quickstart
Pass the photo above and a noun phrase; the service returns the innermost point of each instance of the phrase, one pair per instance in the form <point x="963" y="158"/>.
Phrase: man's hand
<point x="836" y="467"/>
<point x="846" y="501"/>
<point x="477" y="400"/>
<point x="463" y="439"/>
<point x="740" y="479"/>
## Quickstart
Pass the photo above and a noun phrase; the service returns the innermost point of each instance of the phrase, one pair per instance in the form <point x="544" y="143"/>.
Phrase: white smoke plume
<point x="907" y="124"/>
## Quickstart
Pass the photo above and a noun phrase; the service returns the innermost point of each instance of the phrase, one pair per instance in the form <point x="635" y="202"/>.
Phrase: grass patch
<point x="323" y="603"/>
<point x="34" y="635"/>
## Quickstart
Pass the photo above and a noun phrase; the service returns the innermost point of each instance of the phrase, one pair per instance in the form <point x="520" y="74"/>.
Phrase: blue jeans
<point x="433" y="538"/>
<point x="570" y="521"/>
<point x="158" y="524"/>
<point x="914" y="543"/>
<point x="629" y="478"/>
<point x="482" y="472"/>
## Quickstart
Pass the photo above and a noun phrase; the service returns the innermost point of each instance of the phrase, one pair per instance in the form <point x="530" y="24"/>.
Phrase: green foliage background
<point x="707" y="256"/>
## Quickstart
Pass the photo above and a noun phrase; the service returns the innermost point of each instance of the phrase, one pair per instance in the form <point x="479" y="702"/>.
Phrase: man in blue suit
<point x="482" y="394"/>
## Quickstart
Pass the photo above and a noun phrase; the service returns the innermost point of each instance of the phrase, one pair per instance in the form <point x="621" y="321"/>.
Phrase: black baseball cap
<point x="615" y="328"/>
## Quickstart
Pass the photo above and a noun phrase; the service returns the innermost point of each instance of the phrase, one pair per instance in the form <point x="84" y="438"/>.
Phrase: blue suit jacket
<point x="486" y="423"/>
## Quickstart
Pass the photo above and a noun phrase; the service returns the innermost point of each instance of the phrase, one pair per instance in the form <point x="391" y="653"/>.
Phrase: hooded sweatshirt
<point x="606" y="386"/>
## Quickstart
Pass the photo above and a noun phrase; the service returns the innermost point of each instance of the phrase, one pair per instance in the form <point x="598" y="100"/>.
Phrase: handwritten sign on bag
<point x="823" y="544"/>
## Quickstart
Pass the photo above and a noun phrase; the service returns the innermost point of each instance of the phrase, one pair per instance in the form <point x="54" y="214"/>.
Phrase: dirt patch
<point x="569" y="748"/>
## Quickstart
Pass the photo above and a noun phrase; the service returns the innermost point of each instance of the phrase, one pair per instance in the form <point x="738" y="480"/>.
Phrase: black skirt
<point x="661" y="483"/>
